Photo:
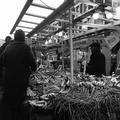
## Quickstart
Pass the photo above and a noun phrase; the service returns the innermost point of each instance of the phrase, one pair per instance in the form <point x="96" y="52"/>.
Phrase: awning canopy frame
<point x="58" y="20"/>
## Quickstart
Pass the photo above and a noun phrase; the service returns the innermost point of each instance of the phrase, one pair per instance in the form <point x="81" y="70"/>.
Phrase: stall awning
<point x="38" y="14"/>
<point x="43" y="19"/>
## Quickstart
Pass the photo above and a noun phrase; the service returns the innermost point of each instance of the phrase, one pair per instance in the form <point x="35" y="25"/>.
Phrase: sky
<point x="9" y="12"/>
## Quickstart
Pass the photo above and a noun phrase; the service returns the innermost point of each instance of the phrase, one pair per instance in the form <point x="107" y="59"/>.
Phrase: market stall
<point x="74" y="95"/>
<point x="88" y="98"/>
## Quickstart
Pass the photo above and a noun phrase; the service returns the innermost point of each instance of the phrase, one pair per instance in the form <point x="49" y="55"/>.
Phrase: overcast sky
<point x="9" y="11"/>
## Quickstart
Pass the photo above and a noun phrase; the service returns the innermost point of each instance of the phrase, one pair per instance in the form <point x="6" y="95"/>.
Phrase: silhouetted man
<point x="96" y="66"/>
<point x="2" y="48"/>
<point x="19" y="62"/>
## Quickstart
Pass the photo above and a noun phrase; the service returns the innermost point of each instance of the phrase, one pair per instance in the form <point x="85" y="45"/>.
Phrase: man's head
<point x="7" y="39"/>
<point x="19" y="35"/>
<point x="95" y="47"/>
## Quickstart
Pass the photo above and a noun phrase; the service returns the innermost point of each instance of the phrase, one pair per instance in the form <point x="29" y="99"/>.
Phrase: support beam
<point x="25" y="21"/>
<point x="107" y="20"/>
<point x="40" y="37"/>
<point x="75" y="29"/>
<point x="62" y="20"/>
<point x="90" y="25"/>
<point x="28" y="3"/>
<point x="25" y="27"/>
<point x="42" y="6"/>
<point x="43" y="34"/>
<point x="33" y="15"/>
<point x="53" y="26"/>
<point x="47" y="30"/>
<point x="67" y="4"/>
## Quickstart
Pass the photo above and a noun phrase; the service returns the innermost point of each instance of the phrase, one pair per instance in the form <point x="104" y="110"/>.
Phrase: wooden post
<point x="71" y="45"/>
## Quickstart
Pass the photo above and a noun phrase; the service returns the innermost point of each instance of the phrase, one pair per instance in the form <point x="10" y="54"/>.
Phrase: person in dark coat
<point x="96" y="65"/>
<point x="7" y="41"/>
<point x="19" y="62"/>
<point x="2" y="48"/>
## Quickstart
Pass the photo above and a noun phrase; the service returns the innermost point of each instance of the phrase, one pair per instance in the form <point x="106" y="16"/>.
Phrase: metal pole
<point x="71" y="45"/>
<point x="62" y="56"/>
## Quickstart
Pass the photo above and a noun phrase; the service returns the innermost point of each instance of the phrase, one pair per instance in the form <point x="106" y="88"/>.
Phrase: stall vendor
<point x="96" y="65"/>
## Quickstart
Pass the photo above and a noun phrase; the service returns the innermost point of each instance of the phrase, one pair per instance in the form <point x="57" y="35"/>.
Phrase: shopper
<point x="19" y="62"/>
<point x="7" y="41"/>
<point x="2" y="48"/>
<point x="96" y="65"/>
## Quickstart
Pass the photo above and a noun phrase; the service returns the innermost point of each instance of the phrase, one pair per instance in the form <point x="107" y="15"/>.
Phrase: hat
<point x="19" y="35"/>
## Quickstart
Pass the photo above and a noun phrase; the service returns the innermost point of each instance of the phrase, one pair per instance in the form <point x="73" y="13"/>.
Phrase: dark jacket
<point x="2" y="48"/>
<point x="18" y="61"/>
<point x="96" y="66"/>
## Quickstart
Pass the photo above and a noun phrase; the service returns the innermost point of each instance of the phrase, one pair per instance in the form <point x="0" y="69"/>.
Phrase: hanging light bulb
<point x="109" y="15"/>
<point x="84" y="27"/>
<point x="50" y="41"/>
<point x="42" y="54"/>
<point x="96" y="16"/>
<point x="60" y="33"/>
<point x="46" y="42"/>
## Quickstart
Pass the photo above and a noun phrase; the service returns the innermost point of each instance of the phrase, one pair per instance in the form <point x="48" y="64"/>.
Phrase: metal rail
<point x="28" y="3"/>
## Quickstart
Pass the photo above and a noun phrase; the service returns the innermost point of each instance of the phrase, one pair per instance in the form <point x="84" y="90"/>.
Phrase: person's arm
<point x="90" y="67"/>
<point x="102" y="63"/>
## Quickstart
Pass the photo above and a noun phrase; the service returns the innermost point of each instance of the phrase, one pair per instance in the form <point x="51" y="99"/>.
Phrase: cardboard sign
<point x="113" y="39"/>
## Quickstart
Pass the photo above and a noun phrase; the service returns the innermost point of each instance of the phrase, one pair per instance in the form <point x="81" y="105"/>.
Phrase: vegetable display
<point x="88" y="98"/>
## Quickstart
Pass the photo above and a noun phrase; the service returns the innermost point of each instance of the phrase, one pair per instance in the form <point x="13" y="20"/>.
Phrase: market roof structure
<point x="76" y="19"/>
<point x="37" y="13"/>
<point x="42" y="19"/>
